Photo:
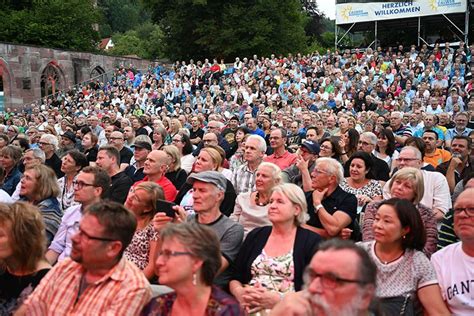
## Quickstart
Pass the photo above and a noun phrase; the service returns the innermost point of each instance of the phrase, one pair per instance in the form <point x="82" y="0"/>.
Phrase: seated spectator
<point x="330" y="148"/>
<point x="90" y="147"/>
<point x="21" y="255"/>
<point x="185" y="147"/>
<point x="419" y="144"/>
<point x="330" y="208"/>
<point x="281" y="157"/>
<point x="251" y="208"/>
<point x="434" y="155"/>
<point x="338" y="266"/>
<point x="97" y="279"/>
<point x="175" y="174"/>
<point x="195" y="249"/>
<point x="49" y="144"/>
<point x="108" y="159"/>
<point x="361" y="181"/>
<point x="207" y="160"/>
<point x="272" y="259"/>
<point x="9" y="159"/>
<point x="403" y="270"/>
<point x="406" y="184"/>
<point x="72" y="162"/>
<point x="141" y="151"/>
<point x="141" y="201"/>
<point x="300" y="173"/>
<point x="385" y="148"/>
<point x="237" y="158"/>
<point x="349" y="141"/>
<point x="90" y="186"/>
<point x="39" y="186"/>
<point x="32" y="157"/>
<point x="454" y="265"/>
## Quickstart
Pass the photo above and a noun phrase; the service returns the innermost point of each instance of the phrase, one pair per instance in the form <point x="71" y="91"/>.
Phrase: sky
<point x="328" y="7"/>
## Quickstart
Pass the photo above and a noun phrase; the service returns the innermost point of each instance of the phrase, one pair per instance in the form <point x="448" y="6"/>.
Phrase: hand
<point x="363" y="199"/>
<point x="160" y="220"/>
<point x="301" y="164"/>
<point x="318" y="196"/>
<point x="342" y="143"/>
<point x="180" y="214"/>
<point x="455" y="162"/>
<point x="345" y="233"/>
<point x="258" y="298"/>
<point x="294" y="304"/>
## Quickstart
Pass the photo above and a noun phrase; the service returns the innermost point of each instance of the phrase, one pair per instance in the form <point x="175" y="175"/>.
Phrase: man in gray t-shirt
<point x="208" y="192"/>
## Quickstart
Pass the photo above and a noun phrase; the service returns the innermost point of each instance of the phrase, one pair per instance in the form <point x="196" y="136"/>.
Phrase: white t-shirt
<point x="455" y="271"/>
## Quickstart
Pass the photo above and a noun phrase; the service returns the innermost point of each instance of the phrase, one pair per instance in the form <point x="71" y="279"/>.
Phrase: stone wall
<point x="21" y="68"/>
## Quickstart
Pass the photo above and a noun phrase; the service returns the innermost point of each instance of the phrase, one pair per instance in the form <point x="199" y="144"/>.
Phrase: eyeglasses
<point x="364" y="143"/>
<point x="81" y="233"/>
<point x="468" y="210"/>
<point x="114" y="138"/>
<point x="80" y="184"/>
<point x="325" y="147"/>
<point x="406" y="159"/>
<point x="319" y="171"/>
<point x="176" y="141"/>
<point x="43" y="143"/>
<point x="328" y="280"/>
<point x="208" y="140"/>
<point x="166" y="254"/>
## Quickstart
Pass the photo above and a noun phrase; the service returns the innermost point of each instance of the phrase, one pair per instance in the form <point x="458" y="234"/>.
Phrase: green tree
<point x="53" y="23"/>
<point x="204" y="28"/>
<point x="144" y="41"/>
<point x="122" y="15"/>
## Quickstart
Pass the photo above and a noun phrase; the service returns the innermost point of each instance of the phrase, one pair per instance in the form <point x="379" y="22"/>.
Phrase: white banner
<point x="372" y="11"/>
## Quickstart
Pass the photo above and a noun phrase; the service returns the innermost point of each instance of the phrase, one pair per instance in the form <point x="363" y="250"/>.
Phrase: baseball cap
<point x="141" y="144"/>
<point x="212" y="177"/>
<point x="313" y="147"/>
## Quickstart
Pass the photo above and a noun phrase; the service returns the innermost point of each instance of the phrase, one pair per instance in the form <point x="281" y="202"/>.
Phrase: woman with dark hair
<point x="72" y="162"/>
<point x="9" y="158"/>
<point x="237" y="157"/>
<point x="385" y="148"/>
<point x="195" y="249"/>
<point x="184" y="145"/>
<point x="361" y="181"/>
<point x="405" y="275"/>
<point x="39" y="186"/>
<point x="22" y="262"/>
<point x="349" y="141"/>
<point x="21" y="143"/>
<point x="330" y="148"/>
<point x="90" y="147"/>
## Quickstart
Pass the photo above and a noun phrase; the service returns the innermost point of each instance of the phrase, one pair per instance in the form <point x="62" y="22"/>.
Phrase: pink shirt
<point x="283" y="161"/>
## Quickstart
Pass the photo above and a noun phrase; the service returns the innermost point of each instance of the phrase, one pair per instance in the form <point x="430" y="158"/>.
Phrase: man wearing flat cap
<point x="208" y="192"/>
<point x="300" y="172"/>
<point x="67" y="143"/>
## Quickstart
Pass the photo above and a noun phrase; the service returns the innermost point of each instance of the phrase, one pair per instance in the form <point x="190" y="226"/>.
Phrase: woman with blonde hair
<point x="22" y="262"/>
<point x="39" y="186"/>
<point x="141" y="201"/>
<point x="272" y="259"/>
<point x="207" y="160"/>
<point x="175" y="126"/>
<point x="251" y="208"/>
<point x="407" y="184"/>
<point x="175" y="173"/>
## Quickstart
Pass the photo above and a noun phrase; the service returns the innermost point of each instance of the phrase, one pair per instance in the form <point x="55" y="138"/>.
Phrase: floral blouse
<point x="139" y="249"/>
<point x="274" y="273"/>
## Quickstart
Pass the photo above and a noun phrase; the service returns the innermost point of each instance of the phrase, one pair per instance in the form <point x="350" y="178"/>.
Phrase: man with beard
<point x="96" y="279"/>
<point x="340" y="280"/>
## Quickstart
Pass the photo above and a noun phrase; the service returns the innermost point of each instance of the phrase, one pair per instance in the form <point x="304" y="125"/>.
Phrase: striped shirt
<point x="243" y="179"/>
<point x="122" y="291"/>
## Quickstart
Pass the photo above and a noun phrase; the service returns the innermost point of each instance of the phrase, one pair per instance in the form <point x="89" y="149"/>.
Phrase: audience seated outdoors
<point x="373" y="145"/>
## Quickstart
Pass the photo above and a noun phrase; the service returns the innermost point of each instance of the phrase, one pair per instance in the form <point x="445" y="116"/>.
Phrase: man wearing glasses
<point x="454" y="264"/>
<point x="340" y="280"/>
<point x="96" y="279"/>
<point x="90" y="186"/>
<point x="49" y="144"/>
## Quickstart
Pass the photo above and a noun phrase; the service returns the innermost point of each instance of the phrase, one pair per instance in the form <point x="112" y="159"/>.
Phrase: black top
<point x="227" y="205"/>
<point x="178" y="177"/>
<point x="55" y="163"/>
<point x="306" y="244"/>
<point x="443" y="168"/>
<point x="14" y="289"/>
<point x="91" y="154"/>
<point x="125" y="155"/>
<point x="134" y="173"/>
<point x="120" y="185"/>
<point x="195" y="134"/>
<point x="339" y="200"/>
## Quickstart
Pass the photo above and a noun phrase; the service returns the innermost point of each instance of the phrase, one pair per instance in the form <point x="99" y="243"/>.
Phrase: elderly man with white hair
<point x="437" y="195"/>
<point x="49" y="145"/>
<point x="330" y="208"/>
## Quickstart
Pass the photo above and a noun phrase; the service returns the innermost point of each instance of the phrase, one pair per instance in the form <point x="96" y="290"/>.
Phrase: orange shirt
<point x="438" y="157"/>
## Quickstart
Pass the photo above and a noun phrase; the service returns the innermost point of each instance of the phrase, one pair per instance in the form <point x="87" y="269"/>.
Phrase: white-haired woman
<point x="251" y="208"/>
<point x="272" y="259"/>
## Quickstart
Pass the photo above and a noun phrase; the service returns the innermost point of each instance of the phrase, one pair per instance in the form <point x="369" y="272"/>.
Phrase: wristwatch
<point x="317" y="207"/>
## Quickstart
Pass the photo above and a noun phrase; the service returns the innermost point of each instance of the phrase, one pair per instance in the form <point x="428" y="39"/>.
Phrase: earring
<point x="404" y="236"/>
<point x="194" y="279"/>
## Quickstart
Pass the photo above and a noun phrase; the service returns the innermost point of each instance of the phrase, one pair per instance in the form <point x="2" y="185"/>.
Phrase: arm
<point x="369" y="216"/>
<point x="333" y="223"/>
<point x="430" y="298"/>
<point x="306" y="177"/>
<point x="51" y="256"/>
<point x="149" y="270"/>
<point x="441" y="196"/>
<point x="450" y="173"/>
<point x="237" y="211"/>
<point x="320" y="231"/>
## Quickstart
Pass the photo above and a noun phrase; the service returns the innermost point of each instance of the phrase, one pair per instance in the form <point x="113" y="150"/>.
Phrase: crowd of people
<point x="322" y="184"/>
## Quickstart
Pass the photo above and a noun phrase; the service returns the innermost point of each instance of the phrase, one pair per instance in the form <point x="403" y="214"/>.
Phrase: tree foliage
<point x="203" y="28"/>
<point x="51" y="23"/>
<point x="121" y="16"/>
<point x="144" y="41"/>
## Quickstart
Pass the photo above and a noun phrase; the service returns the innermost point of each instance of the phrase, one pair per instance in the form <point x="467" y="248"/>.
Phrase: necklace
<point x="257" y="198"/>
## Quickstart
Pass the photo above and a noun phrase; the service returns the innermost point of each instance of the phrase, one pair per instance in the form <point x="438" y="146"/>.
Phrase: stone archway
<point x="52" y="79"/>
<point x="98" y="73"/>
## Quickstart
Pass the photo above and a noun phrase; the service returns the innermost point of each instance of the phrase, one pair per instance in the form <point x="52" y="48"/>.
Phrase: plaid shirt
<point x="122" y="291"/>
<point x="243" y="179"/>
